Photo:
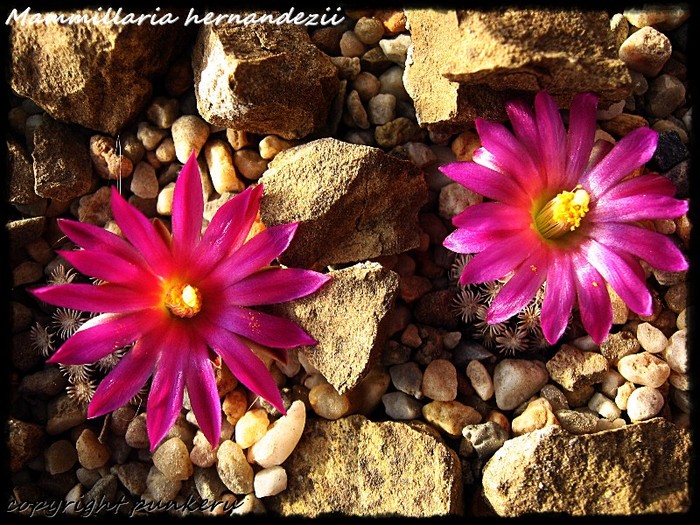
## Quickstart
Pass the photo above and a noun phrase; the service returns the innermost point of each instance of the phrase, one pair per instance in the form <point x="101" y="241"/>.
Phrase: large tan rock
<point x="263" y="78"/>
<point x="349" y="317"/>
<point x="353" y="202"/>
<point x="465" y="64"/>
<point x="356" y="467"/>
<point x="637" y="469"/>
<point x="97" y="75"/>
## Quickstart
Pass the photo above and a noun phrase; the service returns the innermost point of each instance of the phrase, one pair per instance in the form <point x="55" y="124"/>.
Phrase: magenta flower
<point x="563" y="212"/>
<point x="181" y="298"/>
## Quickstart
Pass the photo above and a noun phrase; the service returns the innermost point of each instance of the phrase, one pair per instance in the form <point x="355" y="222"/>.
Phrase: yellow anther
<point x="183" y="300"/>
<point x="563" y="213"/>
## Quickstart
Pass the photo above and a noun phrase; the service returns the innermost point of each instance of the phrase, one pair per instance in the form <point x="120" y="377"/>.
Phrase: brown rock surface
<point x="353" y="202"/>
<point x="637" y="469"/>
<point x="275" y="81"/>
<point x="24" y="442"/>
<point x="361" y="297"/>
<point x="21" y="173"/>
<point x="573" y="368"/>
<point x="97" y="75"/>
<point x="356" y="467"/>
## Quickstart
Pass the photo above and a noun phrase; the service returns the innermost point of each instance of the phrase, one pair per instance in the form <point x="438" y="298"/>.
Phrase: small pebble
<point x="555" y="397"/>
<point x="164" y="204"/>
<point x="249" y="164"/>
<point x="221" y="170"/>
<point x="234" y="405"/>
<point x="271" y="145"/>
<point x="612" y="380"/>
<point x="108" y="163"/>
<point x="251" y="427"/>
<point x="644" y="369"/>
<point x="679" y="381"/>
<point x="454" y="199"/>
<point x="420" y="154"/>
<point x="60" y="457"/>
<point x="618" y="345"/>
<point x="250" y="504"/>
<point x="150" y="136"/>
<point x="450" y="416"/>
<point x="538" y="414"/>
<point x="238" y="139"/>
<point x="173" y="459"/>
<point x="666" y="93"/>
<point x="348" y="68"/>
<point x="381" y="108"/>
<point x="270" y="481"/>
<point x="351" y="46"/>
<point x="235" y="472"/>
<point x="395" y="132"/>
<point x="485" y="438"/>
<point x="391" y="81"/>
<point x="190" y="133"/>
<point x="644" y="403"/>
<point x="676" y="352"/>
<point x="367" y="85"/>
<point x="440" y="380"/>
<point x="401" y="406"/>
<point x="91" y="453"/>
<point x="136" y="434"/>
<point x="369" y="30"/>
<point x="165" y="152"/>
<point x="612" y="111"/>
<point x="516" y="380"/>
<point x="202" y="453"/>
<point x="407" y="378"/>
<point x="144" y="183"/>
<point x="577" y="422"/>
<point x="651" y="338"/>
<point x="159" y="487"/>
<point x="366" y="396"/>
<point x="395" y="49"/>
<point x="604" y="406"/>
<point x="162" y="112"/>
<point x="572" y="368"/>
<point x="665" y="17"/>
<point x="327" y="402"/>
<point x="646" y="51"/>
<point x="579" y="397"/>
<point x="357" y="111"/>
<point x="676" y="298"/>
<point x="208" y="484"/>
<point x="623" y="394"/>
<point x="480" y="379"/>
<point x="281" y="438"/>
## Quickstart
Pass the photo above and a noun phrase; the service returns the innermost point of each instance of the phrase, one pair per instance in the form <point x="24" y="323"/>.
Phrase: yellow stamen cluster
<point x="563" y="213"/>
<point x="183" y="300"/>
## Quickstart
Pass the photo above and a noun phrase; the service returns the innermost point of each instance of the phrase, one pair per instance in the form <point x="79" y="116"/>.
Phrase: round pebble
<point x="381" y="108"/>
<point x="516" y="380"/>
<point x="159" y="487"/>
<point x="202" y="453"/>
<point x="150" y="136"/>
<point x="676" y="352"/>
<point x="391" y="81"/>
<point x="271" y="145"/>
<point x="480" y="379"/>
<point x="401" y="406"/>
<point x="454" y="199"/>
<point x="651" y="338"/>
<point x="604" y="406"/>
<point x="450" y="416"/>
<point x="327" y="402"/>
<point x="251" y="427"/>
<point x="136" y="434"/>
<point x="644" y="369"/>
<point x="91" y="453"/>
<point x="165" y="152"/>
<point x="281" y="438"/>
<point x="440" y="380"/>
<point x="666" y="93"/>
<point x="555" y="397"/>
<point x="235" y="405"/>
<point x="646" y="51"/>
<point x="538" y="414"/>
<point x="173" y="459"/>
<point x="144" y="183"/>
<point x="270" y="481"/>
<point x="250" y="504"/>
<point x="221" y="170"/>
<point x="667" y="17"/>
<point x="190" y="133"/>
<point x="164" y="202"/>
<point x="249" y="164"/>
<point x="367" y="85"/>
<point x="577" y="422"/>
<point x="622" y="395"/>
<point x="235" y="472"/>
<point x="60" y="457"/>
<point x="369" y="30"/>
<point x="407" y="378"/>
<point x="644" y="403"/>
<point x="612" y="380"/>
<point x="351" y="46"/>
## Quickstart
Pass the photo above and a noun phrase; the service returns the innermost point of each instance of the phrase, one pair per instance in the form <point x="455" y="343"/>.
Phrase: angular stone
<point x="638" y="469"/>
<point x="464" y="64"/>
<point x="573" y="368"/>
<point x="353" y="202"/>
<point x="24" y="442"/>
<point x="62" y="167"/>
<point x="353" y="467"/>
<point x="97" y="75"/>
<point x="276" y="80"/>
<point x="21" y="173"/>
<point x="363" y="297"/>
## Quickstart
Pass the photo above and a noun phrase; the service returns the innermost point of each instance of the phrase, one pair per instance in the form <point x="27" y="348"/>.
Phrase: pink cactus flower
<point x="561" y="210"/>
<point x="181" y="299"/>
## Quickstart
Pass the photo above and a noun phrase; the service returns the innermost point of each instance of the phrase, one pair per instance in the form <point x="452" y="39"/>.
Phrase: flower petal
<point x="498" y="259"/>
<point x="649" y="183"/>
<point x="188" y="209"/>
<point x="204" y="397"/>
<point x="522" y="120"/>
<point x="594" y="303"/>
<point x="229" y="228"/>
<point x="265" y="329"/>
<point x="633" y="150"/>
<point x="600" y="149"/>
<point x="112" y="268"/>
<point x="552" y="138"/>
<point x="559" y="297"/>
<point x="638" y="207"/>
<point x="142" y="234"/>
<point x="244" y="364"/>
<point x="580" y="138"/>
<point x="275" y="285"/>
<point x="467" y="241"/>
<point x="624" y="275"/>
<point x="492" y="216"/>
<point x="125" y="380"/>
<point x="258" y="252"/>
<point x="655" y="248"/>
<point x="487" y="182"/>
<point x="507" y="152"/>
<point x="165" y="398"/>
<point x="104" y="334"/>
<point x="520" y="288"/>
<point x="95" y="298"/>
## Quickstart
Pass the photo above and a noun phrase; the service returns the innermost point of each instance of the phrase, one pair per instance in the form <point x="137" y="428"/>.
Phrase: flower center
<point x="183" y="300"/>
<point x="563" y="213"/>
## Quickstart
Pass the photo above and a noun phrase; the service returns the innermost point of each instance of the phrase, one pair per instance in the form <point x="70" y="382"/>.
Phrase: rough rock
<point x="62" y="167"/>
<point x="464" y="64"/>
<point x="573" y="368"/>
<point x="21" y="174"/>
<point x="363" y="297"/>
<point x="354" y="202"/>
<point x="277" y="81"/>
<point x="24" y="442"/>
<point x="356" y="467"/>
<point x="94" y="74"/>
<point x="638" y="469"/>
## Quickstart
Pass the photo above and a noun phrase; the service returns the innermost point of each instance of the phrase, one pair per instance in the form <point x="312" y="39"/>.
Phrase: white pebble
<point x="676" y="352"/>
<point x="281" y="438"/>
<point x="604" y="406"/>
<point x="190" y="133"/>
<point x="270" y="481"/>
<point x="164" y="204"/>
<point x="644" y="369"/>
<point x="395" y="49"/>
<point x="480" y="379"/>
<point x="221" y="169"/>
<point x="623" y="394"/>
<point x="381" y="108"/>
<point x="516" y="380"/>
<point x="651" y="338"/>
<point x="644" y="403"/>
